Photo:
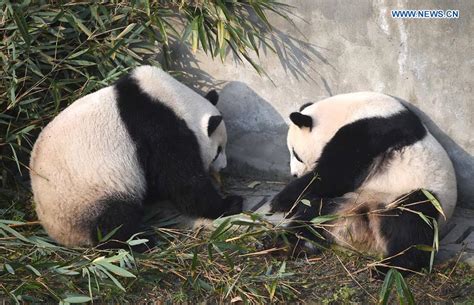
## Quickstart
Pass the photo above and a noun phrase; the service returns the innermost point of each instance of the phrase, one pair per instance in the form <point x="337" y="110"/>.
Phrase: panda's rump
<point x="84" y="225"/>
<point x="83" y="156"/>
<point x="379" y="224"/>
<point x="358" y="224"/>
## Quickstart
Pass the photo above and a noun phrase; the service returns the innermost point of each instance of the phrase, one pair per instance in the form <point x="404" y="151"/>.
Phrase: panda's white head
<point x="200" y="115"/>
<point x="303" y="142"/>
<point x="214" y="145"/>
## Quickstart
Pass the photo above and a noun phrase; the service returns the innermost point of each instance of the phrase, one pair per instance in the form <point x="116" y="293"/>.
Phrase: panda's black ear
<point x="213" y="97"/>
<point x="214" y="121"/>
<point x="301" y="120"/>
<point x="305" y="105"/>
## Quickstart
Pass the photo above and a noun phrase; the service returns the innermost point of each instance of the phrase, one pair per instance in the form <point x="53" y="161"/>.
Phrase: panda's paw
<point x="282" y="202"/>
<point x="233" y="204"/>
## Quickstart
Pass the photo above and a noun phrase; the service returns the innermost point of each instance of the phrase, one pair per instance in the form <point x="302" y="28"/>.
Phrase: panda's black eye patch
<point x="296" y="156"/>
<point x="219" y="150"/>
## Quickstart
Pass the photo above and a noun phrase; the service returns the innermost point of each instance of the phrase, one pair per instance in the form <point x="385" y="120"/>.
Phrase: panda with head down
<point x="146" y="140"/>
<point x="368" y="159"/>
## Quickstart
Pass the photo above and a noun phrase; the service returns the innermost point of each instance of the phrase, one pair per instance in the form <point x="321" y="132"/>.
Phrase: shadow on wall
<point x="256" y="143"/>
<point x="298" y="57"/>
<point x="256" y="134"/>
<point x="462" y="160"/>
<point x="185" y="67"/>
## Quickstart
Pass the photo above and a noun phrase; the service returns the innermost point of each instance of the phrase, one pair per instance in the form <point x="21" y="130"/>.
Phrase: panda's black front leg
<point x="286" y="198"/>
<point x="232" y="205"/>
<point x="306" y="213"/>
<point x="303" y="236"/>
<point x="198" y="197"/>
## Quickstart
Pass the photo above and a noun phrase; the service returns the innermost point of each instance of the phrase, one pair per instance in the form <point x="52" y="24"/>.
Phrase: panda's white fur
<point x="86" y="155"/>
<point x="423" y="164"/>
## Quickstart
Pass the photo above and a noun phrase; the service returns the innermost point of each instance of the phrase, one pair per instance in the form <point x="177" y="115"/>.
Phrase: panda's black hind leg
<point x="120" y="214"/>
<point x="403" y="230"/>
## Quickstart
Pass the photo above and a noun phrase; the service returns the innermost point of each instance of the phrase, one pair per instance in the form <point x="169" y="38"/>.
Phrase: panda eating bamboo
<point x="367" y="163"/>
<point x="145" y="140"/>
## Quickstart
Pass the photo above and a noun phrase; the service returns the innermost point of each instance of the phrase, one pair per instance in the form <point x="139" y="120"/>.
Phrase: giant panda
<point x="366" y="158"/>
<point x="146" y="139"/>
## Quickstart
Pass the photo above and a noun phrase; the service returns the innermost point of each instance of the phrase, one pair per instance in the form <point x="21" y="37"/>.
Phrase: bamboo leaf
<point x="147" y="7"/>
<point x="136" y="242"/>
<point x="9" y="268"/>
<point x="424" y="248"/>
<point x="306" y="202"/>
<point x="194" y="35"/>
<point x="115" y="269"/>
<point x="220" y="34"/>
<point x="436" y="235"/>
<point x="251" y="38"/>
<point x="387" y="285"/>
<point x="14" y="233"/>
<point x="34" y="270"/>
<point x="163" y="31"/>
<point x="110" y="276"/>
<point x="404" y="293"/>
<point x="79" y="53"/>
<point x="425" y="219"/>
<point x="202" y="34"/>
<point x="434" y="202"/>
<point x="435" y="243"/>
<point x="324" y="218"/>
<point x="254" y="184"/>
<point x="221" y="228"/>
<point x="64" y="270"/>
<point x="125" y="31"/>
<point x="76" y="299"/>
<point x="20" y="22"/>
<point x="81" y="26"/>
<point x="261" y="15"/>
<point x="109" y="235"/>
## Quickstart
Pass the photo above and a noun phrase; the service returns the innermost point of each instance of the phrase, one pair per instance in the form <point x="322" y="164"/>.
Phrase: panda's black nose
<point x="295" y="175"/>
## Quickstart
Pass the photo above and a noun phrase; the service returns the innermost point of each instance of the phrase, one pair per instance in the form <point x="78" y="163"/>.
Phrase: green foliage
<point x="33" y="269"/>
<point x="404" y="294"/>
<point x="54" y="52"/>
<point x="44" y="268"/>
<point x="233" y="262"/>
<point x="343" y="295"/>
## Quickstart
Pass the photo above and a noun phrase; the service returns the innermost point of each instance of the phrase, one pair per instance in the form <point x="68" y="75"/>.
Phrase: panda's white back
<point x="334" y="112"/>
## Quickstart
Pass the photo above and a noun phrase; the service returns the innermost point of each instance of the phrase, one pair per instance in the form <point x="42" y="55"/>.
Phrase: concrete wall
<point x="345" y="46"/>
